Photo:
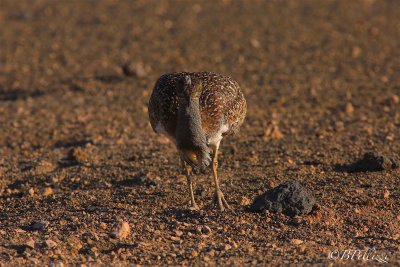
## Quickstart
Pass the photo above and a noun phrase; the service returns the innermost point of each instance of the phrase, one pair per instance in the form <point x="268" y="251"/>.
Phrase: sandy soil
<point x="77" y="154"/>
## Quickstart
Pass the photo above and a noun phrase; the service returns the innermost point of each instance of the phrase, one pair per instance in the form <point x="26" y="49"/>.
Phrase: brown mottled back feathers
<point x="221" y="103"/>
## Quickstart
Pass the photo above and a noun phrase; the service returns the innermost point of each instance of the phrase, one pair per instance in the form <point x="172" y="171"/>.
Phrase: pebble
<point x="178" y="233"/>
<point x="386" y="194"/>
<point x="244" y="201"/>
<point x="30" y="243"/>
<point x="296" y="242"/>
<point x="272" y="131"/>
<point x="78" y="155"/>
<point x="349" y="108"/>
<point x="44" y="167"/>
<point x="121" y="231"/>
<point x="47" y="191"/>
<point x="194" y="253"/>
<point x="135" y="69"/>
<point x="31" y="192"/>
<point x="395" y="99"/>
<point x="39" y="225"/>
<point x="356" y="52"/>
<point x="50" y="243"/>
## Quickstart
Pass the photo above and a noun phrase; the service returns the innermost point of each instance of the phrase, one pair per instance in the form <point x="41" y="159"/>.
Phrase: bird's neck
<point x="190" y="134"/>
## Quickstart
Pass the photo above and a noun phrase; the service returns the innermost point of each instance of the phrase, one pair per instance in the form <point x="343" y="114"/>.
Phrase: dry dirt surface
<point x="84" y="181"/>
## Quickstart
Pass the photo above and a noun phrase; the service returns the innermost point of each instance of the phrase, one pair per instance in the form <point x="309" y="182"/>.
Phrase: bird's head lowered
<point x="189" y="87"/>
<point x="190" y="136"/>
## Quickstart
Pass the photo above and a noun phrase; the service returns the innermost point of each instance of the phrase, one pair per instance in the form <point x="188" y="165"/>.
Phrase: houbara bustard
<point x="195" y="110"/>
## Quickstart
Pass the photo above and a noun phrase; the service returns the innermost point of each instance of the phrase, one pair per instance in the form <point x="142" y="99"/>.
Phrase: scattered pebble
<point x="121" y="231"/>
<point x="39" y="225"/>
<point x="44" y="167"/>
<point x="244" y="201"/>
<point x="296" y="242"/>
<point x="386" y="194"/>
<point x="255" y="43"/>
<point x="372" y="162"/>
<point x="356" y="52"/>
<point x="349" y="108"/>
<point x="30" y="243"/>
<point x="31" y="192"/>
<point x="47" y="191"/>
<point x="272" y="131"/>
<point x="178" y="233"/>
<point x="194" y="253"/>
<point x="50" y="243"/>
<point x="290" y="199"/>
<point x="395" y="99"/>
<point x="137" y="69"/>
<point x="78" y="155"/>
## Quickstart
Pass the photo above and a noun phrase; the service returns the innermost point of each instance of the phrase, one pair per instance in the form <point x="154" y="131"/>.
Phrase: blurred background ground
<point x="77" y="154"/>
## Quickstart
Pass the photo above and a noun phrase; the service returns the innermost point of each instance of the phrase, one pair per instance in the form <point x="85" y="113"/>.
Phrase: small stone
<point x="349" y="108"/>
<point x="103" y="226"/>
<point x="194" y="253"/>
<point x="39" y="225"/>
<point x="178" y="233"/>
<point x="296" y="242"/>
<point x="244" y="201"/>
<point x="255" y="43"/>
<point x="226" y="247"/>
<point x="386" y="194"/>
<point x="50" y="243"/>
<point x="235" y="245"/>
<point x="30" y="243"/>
<point x="356" y="52"/>
<point x="175" y="238"/>
<point x="31" y="192"/>
<point x="47" y="191"/>
<point x="206" y="230"/>
<point x="272" y="131"/>
<point x="57" y="264"/>
<point x="339" y="126"/>
<point x="74" y="243"/>
<point x="372" y="162"/>
<point x="121" y="231"/>
<point x="44" y="167"/>
<point x="135" y="69"/>
<point x="78" y="155"/>
<point x="168" y="24"/>
<point x="395" y="99"/>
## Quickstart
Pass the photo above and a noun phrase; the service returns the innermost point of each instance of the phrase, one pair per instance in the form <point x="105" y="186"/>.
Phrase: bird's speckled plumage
<point x="222" y="104"/>
<point x="195" y="110"/>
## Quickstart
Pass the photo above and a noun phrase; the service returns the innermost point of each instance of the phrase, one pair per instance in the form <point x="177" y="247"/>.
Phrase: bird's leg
<point x="187" y="170"/>
<point x="219" y="198"/>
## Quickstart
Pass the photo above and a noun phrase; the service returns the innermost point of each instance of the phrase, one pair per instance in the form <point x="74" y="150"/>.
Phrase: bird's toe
<point x="220" y="202"/>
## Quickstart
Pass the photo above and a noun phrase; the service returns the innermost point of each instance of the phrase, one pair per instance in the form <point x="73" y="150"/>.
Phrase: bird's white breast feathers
<point x="216" y="138"/>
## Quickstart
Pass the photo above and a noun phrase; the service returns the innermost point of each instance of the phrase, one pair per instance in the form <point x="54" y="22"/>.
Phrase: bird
<point x="195" y="110"/>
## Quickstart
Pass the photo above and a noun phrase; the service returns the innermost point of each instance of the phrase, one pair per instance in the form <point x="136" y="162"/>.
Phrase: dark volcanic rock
<point x="290" y="198"/>
<point x="372" y="162"/>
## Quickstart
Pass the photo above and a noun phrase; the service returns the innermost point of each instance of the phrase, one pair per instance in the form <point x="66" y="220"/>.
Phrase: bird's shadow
<point x="115" y="248"/>
<point x="182" y="214"/>
<point x="19" y="94"/>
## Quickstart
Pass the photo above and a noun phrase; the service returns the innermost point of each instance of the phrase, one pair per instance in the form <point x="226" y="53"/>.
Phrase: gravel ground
<point x="84" y="181"/>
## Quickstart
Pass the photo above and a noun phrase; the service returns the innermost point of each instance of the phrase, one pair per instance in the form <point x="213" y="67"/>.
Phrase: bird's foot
<point x="194" y="206"/>
<point x="219" y="200"/>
